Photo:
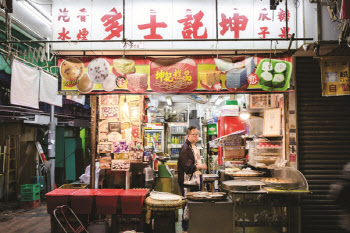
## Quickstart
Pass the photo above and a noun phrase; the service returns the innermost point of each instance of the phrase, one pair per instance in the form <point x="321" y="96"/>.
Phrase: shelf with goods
<point x="211" y="147"/>
<point x="264" y="152"/>
<point x="175" y="137"/>
<point x="233" y="147"/>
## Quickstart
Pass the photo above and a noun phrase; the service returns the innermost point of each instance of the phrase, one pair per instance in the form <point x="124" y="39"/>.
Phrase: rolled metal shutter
<point x="323" y="143"/>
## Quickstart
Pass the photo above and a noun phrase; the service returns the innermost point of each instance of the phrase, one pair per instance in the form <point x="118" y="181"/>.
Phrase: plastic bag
<point x="185" y="214"/>
<point x="85" y="178"/>
<point x="192" y="179"/>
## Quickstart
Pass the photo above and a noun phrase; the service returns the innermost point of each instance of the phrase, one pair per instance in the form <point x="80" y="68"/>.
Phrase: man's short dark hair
<point x="189" y="129"/>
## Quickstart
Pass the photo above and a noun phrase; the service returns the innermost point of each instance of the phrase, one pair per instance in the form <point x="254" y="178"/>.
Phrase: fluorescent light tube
<point x="219" y="100"/>
<point x="169" y="101"/>
<point x="36" y="13"/>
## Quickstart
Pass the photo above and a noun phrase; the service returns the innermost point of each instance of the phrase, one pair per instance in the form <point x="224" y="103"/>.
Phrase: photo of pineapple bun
<point x="85" y="85"/>
<point x="71" y="70"/>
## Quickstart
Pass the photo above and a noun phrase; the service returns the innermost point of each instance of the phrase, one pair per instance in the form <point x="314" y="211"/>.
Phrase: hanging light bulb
<point x="125" y="109"/>
<point x="244" y="114"/>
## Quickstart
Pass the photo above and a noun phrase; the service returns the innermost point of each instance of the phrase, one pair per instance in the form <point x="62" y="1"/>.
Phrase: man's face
<point x="193" y="136"/>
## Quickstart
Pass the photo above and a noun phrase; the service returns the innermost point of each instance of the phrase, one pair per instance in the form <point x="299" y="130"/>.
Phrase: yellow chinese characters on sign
<point x="173" y="77"/>
<point x="335" y="77"/>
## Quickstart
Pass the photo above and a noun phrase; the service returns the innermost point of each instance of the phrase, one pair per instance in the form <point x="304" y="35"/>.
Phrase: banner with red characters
<point x="197" y="74"/>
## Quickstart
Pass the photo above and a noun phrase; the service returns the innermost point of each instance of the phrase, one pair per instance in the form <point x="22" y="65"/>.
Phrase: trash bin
<point x="107" y="200"/>
<point x="58" y="197"/>
<point x="132" y="200"/>
<point x="82" y="200"/>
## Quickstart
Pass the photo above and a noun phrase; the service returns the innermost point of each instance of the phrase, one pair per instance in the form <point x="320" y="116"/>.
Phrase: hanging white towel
<point x="24" y="85"/>
<point x="49" y="90"/>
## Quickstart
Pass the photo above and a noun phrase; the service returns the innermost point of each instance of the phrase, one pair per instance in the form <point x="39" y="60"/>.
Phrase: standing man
<point x="189" y="163"/>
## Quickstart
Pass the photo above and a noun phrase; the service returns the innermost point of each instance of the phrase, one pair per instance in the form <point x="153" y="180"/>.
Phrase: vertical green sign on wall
<point x="212" y="129"/>
<point x="82" y="136"/>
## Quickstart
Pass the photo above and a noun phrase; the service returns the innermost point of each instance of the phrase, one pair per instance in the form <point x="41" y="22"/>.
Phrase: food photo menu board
<point x="198" y="74"/>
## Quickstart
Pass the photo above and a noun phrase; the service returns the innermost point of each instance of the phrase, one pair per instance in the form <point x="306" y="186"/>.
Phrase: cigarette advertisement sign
<point x="335" y="77"/>
<point x="198" y="74"/>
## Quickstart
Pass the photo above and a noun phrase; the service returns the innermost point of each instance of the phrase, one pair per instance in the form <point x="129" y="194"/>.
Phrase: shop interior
<point x="163" y="121"/>
<point x="242" y="140"/>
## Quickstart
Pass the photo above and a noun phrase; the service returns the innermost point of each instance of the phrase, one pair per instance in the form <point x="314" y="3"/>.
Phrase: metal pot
<point x="242" y="185"/>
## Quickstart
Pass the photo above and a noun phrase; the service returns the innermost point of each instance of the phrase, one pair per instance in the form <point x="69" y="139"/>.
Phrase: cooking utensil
<point x="206" y="196"/>
<point x="242" y="185"/>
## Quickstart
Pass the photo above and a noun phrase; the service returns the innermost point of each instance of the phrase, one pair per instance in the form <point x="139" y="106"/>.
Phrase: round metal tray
<point x="242" y="185"/>
<point x="206" y="196"/>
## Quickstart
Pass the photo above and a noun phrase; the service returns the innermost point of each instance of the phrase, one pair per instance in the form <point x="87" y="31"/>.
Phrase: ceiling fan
<point x="200" y="99"/>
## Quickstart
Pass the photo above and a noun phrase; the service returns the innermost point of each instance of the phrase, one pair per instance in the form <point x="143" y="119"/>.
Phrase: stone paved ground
<point x="14" y="219"/>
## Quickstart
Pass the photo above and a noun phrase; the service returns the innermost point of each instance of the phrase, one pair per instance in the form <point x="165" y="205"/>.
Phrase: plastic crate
<point x="82" y="200"/>
<point x="31" y="204"/>
<point x="132" y="201"/>
<point x="58" y="197"/>
<point x="74" y="186"/>
<point x="30" y="196"/>
<point x="107" y="200"/>
<point x="30" y="188"/>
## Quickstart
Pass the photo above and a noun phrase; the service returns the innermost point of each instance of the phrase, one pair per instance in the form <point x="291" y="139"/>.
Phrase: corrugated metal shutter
<point x="324" y="145"/>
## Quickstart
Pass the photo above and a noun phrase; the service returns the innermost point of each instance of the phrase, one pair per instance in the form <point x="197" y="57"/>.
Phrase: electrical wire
<point x="65" y="158"/>
<point x="296" y="4"/>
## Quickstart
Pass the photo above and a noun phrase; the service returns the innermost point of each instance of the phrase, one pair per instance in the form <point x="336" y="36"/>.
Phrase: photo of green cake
<point x="274" y="75"/>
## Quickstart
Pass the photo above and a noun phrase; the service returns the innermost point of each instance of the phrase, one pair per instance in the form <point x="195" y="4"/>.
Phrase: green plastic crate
<point x="30" y="188"/>
<point x="30" y="196"/>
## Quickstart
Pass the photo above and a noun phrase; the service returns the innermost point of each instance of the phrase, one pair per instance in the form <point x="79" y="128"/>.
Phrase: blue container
<point x="39" y="180"/>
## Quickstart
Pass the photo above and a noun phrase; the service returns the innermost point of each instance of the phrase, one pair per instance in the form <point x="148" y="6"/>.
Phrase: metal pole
<point x="287" y="19"/>
<point x="319" y="19"/>
<point x="156" y="40"/>
<point x="127" y="180"/>
<point x="93" y="105"/>
<point x="8" y="30"/>
<point x="51" y="147"/>
<point x="217" y="21"/>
